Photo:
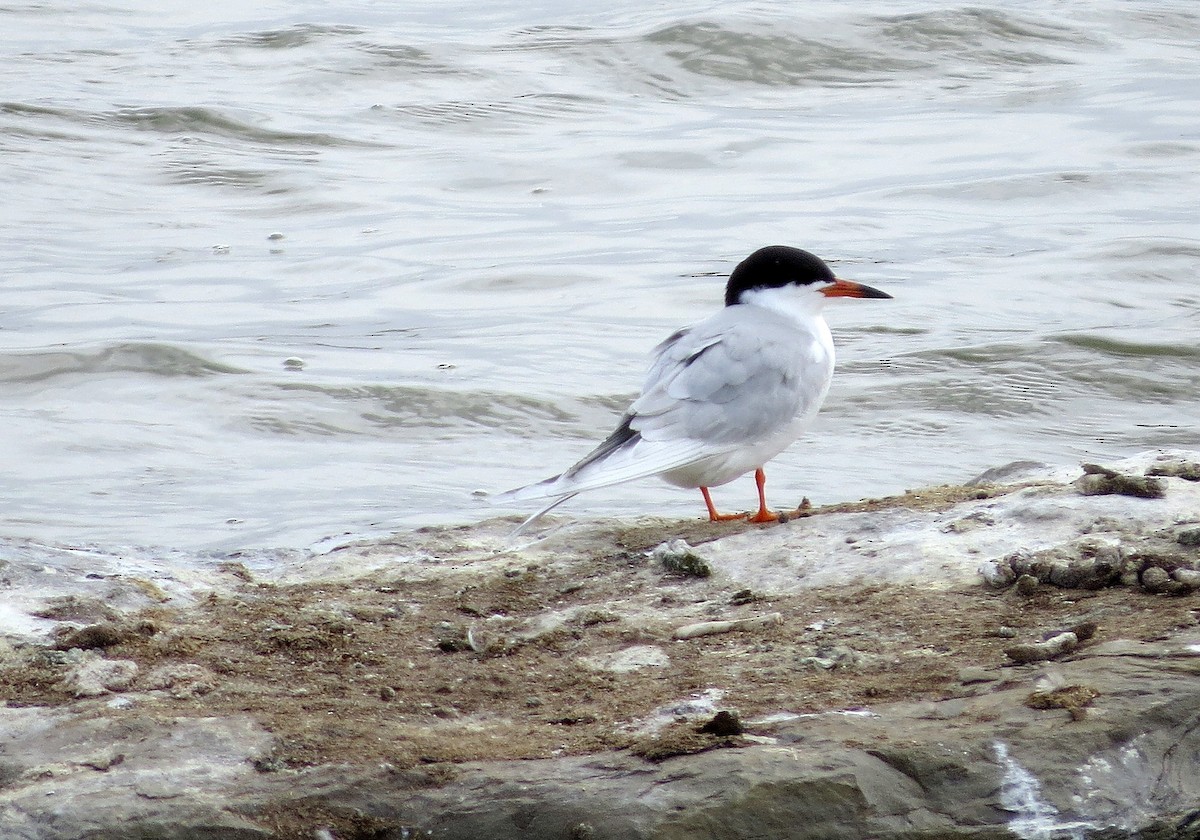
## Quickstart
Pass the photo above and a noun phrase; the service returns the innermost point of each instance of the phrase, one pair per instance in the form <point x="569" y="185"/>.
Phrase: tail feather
<point x="623" y="438"/>
<point x="535" y="517"/>
<point x="625" y="465"/>
<point x="538" y="490"/>
<point x="624" y="456"/>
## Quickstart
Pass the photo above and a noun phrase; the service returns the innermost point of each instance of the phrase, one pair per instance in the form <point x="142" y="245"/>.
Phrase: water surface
<point x="271" y="274"/>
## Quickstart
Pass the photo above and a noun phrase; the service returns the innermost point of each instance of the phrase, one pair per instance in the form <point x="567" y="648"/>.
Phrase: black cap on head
<point x="774" y="267"/>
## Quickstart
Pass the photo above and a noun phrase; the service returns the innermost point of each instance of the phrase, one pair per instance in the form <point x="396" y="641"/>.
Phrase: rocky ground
<point x="1018" y="657"/>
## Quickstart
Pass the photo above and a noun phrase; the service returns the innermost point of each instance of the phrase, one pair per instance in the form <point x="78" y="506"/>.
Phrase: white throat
<point x="802" y="304"/>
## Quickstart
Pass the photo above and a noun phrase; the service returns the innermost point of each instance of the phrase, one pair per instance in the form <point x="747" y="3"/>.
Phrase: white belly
<point x="723" y="467"/>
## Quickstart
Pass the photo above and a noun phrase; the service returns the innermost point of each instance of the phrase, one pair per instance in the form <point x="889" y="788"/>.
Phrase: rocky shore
<point x="1017" y="657"/>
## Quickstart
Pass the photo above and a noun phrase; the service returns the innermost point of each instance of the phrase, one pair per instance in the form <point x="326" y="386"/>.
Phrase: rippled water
<point x="282" y="271"/>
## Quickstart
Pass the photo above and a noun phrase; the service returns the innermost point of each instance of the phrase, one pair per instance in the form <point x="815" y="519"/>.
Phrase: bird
<point x="726" y="395"/>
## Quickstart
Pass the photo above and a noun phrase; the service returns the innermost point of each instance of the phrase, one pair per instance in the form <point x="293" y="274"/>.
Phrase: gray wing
<point x="728" y="382"/>
<point x="719" y="385"/>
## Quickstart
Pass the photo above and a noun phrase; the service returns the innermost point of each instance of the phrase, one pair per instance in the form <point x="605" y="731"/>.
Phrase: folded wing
<point x="711" y="389"/>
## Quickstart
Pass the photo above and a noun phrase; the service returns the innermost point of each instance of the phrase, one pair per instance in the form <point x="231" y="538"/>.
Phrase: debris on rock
<point x="104" y="762"/>
<point x="181" y="679"/>
<point x="680" y="738"/>
<point x="582" y="831"/>
<point x="1084" y="630"/>
<point x="1074" y="698"/>
<point x="998" y="574"/>
<point x="1056" y="645"/>
<point x="724" y="724"/>
<point x="100" y="636"/>
<point x="679" y="558"/>
<point x="832" y="656"/>
<point x="1187" y="470"/>
<point x="804" y="509"/>
<point x="711" y="628"/>
<point x="1102" y="481"/>
<point x="1027" y="585"/>
<point x="93" y="676"/>
<point x="91" y="637"/>
<point x="973" y="674"/>
<point x="628" y="659"/>
<point x="452" y="638"/>
<point x="76" y="608"/>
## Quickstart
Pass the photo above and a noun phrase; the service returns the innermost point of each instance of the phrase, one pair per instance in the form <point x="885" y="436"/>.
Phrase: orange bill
<point x="848" y="288"/>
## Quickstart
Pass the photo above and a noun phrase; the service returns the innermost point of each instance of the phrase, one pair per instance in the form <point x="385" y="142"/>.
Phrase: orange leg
<point x="713" y="516"/>
<point x="763" y="515"/>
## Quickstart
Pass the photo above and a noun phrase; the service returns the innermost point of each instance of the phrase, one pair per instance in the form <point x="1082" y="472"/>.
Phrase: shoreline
<point x="606" y="677"/>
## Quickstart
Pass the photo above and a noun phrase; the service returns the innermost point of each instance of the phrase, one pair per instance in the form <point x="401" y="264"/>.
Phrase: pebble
<point x="1189" y="536"/>
<point x="1088" y="563"/>
<point x="1156" y="579"/>
<point x="1188" y="577"/>
<point x="1130" y="578"/>
<point x="1027" y="585"/>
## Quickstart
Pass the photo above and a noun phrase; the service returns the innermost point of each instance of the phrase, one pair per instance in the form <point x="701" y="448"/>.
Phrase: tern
<point x="724" y="396"/>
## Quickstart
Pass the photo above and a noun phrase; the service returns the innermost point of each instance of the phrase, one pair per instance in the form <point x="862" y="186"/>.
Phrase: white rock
<point x="628" y="659"/>
<point x="95" y="675"/>
<point x="997" y="573"/>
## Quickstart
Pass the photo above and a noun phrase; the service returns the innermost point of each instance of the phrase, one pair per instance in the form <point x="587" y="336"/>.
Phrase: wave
<point x="134" y="357"/>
